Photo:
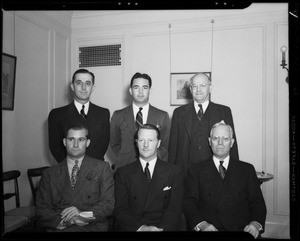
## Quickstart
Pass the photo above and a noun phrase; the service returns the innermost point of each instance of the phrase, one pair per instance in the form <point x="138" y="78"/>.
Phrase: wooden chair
<point x="19" y="217"/>
<point x="32" y="173"/>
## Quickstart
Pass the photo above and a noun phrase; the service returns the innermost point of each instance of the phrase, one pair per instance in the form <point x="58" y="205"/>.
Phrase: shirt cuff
<point x="200" y="226"/>
<point x="257" y="225"/>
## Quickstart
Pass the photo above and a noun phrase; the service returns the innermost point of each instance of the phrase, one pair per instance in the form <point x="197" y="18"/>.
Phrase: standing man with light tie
<point x="125" y="122"/>
<point x="81" y="110"/>
<point x="191" y="124"/>
<point x="223" y="193"/>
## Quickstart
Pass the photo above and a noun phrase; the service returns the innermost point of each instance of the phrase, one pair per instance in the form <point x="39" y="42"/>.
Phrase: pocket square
<point x="167" y="188"/>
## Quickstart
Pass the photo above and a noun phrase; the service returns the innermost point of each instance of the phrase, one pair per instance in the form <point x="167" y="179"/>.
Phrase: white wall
<point x="41" y="43"/>
<point x="245" y="71"/>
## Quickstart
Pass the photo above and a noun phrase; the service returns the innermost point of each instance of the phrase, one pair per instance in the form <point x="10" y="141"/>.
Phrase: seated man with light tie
<point x="148" y="191"/>
<point x="76" y="195"/>
<point x="221" y="193"/>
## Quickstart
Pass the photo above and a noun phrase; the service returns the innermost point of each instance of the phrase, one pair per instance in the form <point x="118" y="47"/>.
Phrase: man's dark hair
<point x="83" y="71"/>
<point x="150" y="127"/>
<point x="143" y="76"/>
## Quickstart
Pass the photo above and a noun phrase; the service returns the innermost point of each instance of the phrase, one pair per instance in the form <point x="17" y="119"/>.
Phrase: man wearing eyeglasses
<point x="191" y="124"/>
<point x="223" y="193"/>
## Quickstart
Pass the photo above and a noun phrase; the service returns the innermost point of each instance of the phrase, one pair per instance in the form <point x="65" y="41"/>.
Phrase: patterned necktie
<point x="222" y="170"/>
<point x="200" y="112"/>
<point x="74" y="175"/>
<point x="139" y="118"/>
<point x="147" y="172"/>
<point x="82" y="112"/>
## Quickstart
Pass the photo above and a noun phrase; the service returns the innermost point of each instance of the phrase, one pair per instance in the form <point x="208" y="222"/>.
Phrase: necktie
<point x="139" y="118"/>
<point x="200" y="112"/>
<point x="222" y="170"/>
<point x="74" y="174"/>
<point x="82" y="112"/>
<point x="147" y="172"/>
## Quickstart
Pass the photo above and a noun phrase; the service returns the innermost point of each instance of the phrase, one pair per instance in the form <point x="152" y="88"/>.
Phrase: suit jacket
<point x="97" y="121"/>
<point x="123" y="131"/>
<point x="228" y="204"/>
<point x="139" y="202"/>
<point x="94" y="191"/>
<point x="181" y="133"/>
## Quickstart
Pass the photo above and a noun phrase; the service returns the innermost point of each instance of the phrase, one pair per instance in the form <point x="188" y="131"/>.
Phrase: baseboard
<point x="276" y="230"/>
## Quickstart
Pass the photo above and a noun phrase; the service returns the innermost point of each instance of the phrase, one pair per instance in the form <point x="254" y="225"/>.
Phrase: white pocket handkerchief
<point x="167" y="188"/>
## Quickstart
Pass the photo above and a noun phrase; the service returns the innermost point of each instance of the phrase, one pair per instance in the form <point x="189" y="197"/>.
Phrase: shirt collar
<point x="71" y="163"/>
<point x="151" y="164"/>
<point x="225" y="163"/>
<point x="204" y="105"/>
<point x="79" y="106"/>
<point x="145" y="111"/>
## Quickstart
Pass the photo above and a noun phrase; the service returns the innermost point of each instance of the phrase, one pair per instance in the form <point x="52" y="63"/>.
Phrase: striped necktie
<point x="200" y="112"/>
<point x="222" y="170"/>
<point x="82" y="112"/>
<point x="139" y="118"/>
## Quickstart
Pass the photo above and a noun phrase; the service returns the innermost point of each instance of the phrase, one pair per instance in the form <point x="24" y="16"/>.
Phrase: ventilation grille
<point x="95" y="56"/>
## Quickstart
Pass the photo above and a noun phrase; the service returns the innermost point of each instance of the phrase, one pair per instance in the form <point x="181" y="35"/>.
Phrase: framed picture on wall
<point x="8" y="81"/>
<point x="180" y="87"/>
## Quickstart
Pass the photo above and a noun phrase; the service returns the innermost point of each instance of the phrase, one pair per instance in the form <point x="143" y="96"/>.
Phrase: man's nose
<point x="76" y="143"/>
<point x="146" y="143"/>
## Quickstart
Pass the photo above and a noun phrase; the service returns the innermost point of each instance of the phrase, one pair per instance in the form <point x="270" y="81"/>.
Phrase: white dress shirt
<point x="145" y="111"/>
<point x="79" y="106"/>
<point x="151" y="165"/>
<point x="204" y="106"/>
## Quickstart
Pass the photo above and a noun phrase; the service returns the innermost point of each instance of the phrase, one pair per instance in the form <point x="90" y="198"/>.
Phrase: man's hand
<point x="69" y="213"/>
<point x="146" y="228"/>
<point x="252" y="230"/>
<point x="209" y="227"/>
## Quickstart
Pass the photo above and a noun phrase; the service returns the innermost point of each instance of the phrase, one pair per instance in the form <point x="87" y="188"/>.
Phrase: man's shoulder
<point x="61" y="109"/>
<point x="219" y="106"/>
<point x="98" y="108"/>
<point x="95" y="162"/>
<point x="122" y="111"/>
<point x="184" y="108"/>
<point x="157" y="110"/>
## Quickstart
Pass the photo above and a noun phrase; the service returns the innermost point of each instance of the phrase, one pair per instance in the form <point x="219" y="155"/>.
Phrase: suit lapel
<point x="151" y="115"/>
<point x="64" y="182"/>
<point x="157" y="183"/>
<point x="139" y="179"/>
<point x="129" y="119"/>
<point x="188" y="115"/>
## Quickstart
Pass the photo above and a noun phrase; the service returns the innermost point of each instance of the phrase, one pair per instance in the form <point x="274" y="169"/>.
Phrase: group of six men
<point x="161" y="171"/>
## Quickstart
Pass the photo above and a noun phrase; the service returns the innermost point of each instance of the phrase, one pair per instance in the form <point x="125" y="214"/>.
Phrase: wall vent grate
<point x="96" y="56"/>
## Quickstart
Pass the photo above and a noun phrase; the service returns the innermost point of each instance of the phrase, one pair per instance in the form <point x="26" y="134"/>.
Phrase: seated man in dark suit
<point x="221" y="193"/>
<point x="78" y="193"/>
<point x="148" y="191"/>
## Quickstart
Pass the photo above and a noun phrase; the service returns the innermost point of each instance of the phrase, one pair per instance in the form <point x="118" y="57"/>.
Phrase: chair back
<point x="31" y="173"/>
<point x="12" y="175"/>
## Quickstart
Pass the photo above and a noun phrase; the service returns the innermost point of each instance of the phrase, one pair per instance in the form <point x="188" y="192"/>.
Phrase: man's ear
<point x="65" y="142"/>
<point x="209" y="141"/>
<point x="158" y="144"/>
<point x="232" y="141"/>
<point x="130" y="91"/>
<point x="88" y="142"/>
<point x="72" y="87"/>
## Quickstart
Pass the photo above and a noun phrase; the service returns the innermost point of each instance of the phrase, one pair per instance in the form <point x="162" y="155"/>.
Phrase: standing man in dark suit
<point x="148" y="191"/>
<point x="223" y="193"/>
<point x="124" y="122"/>
<point x="81" y="110"/>
<point x="76" y="186"/>
<point x="192" y="122"/>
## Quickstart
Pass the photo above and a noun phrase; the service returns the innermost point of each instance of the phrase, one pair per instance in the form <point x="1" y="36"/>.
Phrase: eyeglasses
<point x="202" y="86"/>
<point x="218" y="138"/>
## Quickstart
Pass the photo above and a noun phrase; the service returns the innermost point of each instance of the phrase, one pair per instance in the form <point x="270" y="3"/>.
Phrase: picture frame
<point x="180" y="87"/>
<point x="9" y="63"/>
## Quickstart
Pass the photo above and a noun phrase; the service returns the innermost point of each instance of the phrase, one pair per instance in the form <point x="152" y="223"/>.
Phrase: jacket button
<point x="199" y="147"/>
